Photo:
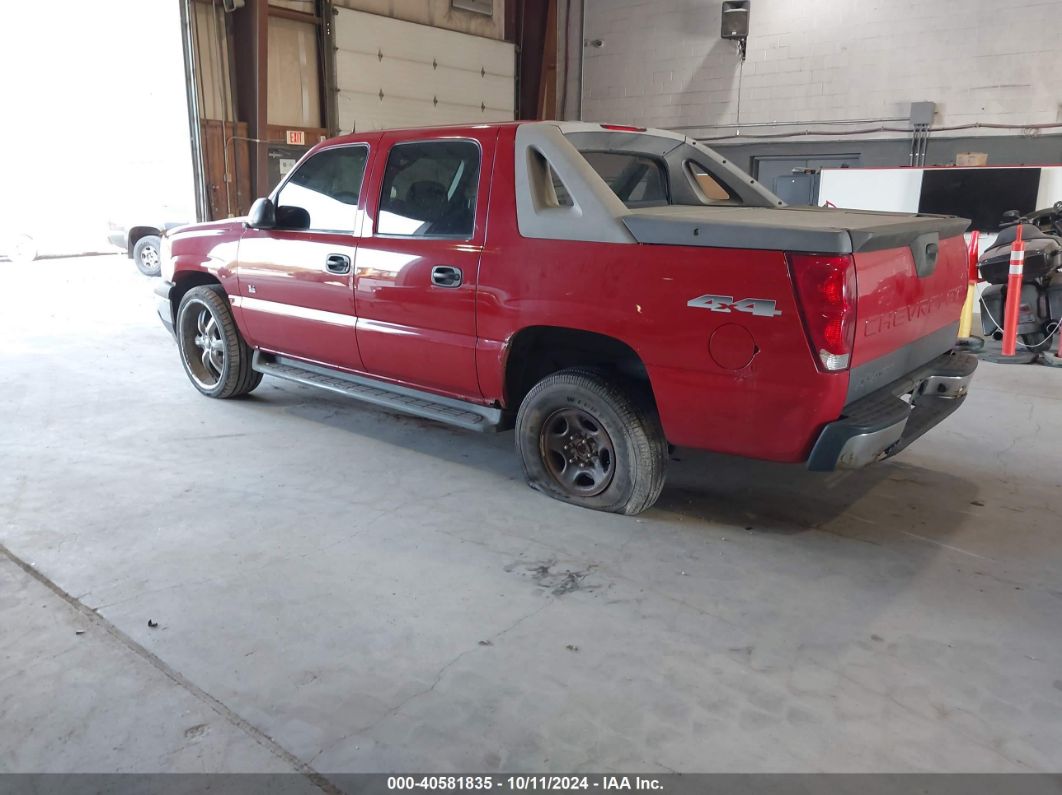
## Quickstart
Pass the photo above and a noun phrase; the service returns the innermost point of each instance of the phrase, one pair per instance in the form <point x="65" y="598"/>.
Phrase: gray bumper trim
<point x="884" y="422"/>
<point x="164" y="305"/>
<point x="866" y="448"/>
<point x="879" y="373"/>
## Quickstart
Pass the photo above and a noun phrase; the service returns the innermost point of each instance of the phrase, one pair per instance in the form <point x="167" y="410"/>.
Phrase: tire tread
<point x="241" y="378"/>
<point x="639" y="417"/>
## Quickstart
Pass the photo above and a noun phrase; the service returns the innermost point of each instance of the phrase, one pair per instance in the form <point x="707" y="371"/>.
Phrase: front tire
<point x="215" y="357"/>
<point x="590" y="441"/>
<point x="147" y="256"/>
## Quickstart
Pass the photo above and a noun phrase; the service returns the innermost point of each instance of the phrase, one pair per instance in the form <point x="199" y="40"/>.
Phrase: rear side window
<point x="638" y="180"/>
<point x="710" y="188"/>
<point x="564" y="199"/>
<point x="429" y="190"/>
<point x="327" y="187"/>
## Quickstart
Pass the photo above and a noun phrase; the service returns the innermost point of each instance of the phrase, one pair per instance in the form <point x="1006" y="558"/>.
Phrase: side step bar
<point x="460" y="413"/>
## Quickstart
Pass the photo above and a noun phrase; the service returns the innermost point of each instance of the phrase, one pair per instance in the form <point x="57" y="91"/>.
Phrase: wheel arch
<point x="183" y="281"/>
<point x="136" y="233"/>
<point x="537" y="351"/>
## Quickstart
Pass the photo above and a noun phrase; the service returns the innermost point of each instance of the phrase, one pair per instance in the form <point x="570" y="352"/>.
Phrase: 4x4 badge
<point x="761" y="307"/>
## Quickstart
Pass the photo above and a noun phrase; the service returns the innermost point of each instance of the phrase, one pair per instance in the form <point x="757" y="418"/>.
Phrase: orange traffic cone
<point x="1013" y="306"/>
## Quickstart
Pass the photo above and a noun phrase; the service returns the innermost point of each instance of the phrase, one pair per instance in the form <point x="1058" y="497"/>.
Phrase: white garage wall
<point x="900" y="189"/>
<point x="94" y="108"/>
<point x="890" y="189"/>
<point x="662" y="62"/>
<point x="392" y="73"/>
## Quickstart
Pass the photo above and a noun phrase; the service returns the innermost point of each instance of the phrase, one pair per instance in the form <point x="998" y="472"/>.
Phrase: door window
<point x="429" y="190"/>
<point x="326" y="189"/>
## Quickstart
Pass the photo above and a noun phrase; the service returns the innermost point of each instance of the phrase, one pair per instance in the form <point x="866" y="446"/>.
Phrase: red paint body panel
<point x="896" y="307"/>
<point x="209" y="248"/>
<point x="388" y="320"/>
<point x="638" y="294"/>
<point x="408" y="328"/>
<point x="297" y="306"/>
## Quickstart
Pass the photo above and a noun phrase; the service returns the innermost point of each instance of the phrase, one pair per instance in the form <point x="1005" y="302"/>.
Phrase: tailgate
<point x="912" y="282"/>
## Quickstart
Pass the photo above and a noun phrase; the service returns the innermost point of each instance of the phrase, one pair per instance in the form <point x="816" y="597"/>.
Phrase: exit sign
<point x="296" y="138"/>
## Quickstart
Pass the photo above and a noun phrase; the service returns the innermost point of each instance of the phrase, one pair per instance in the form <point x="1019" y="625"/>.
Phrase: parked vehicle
<point x="30" y="229"/>
<point x="605" y="290"/>
<point x="18" y="246"/>
<point x="141" y="242"/>
<point x="1040" y="313"/>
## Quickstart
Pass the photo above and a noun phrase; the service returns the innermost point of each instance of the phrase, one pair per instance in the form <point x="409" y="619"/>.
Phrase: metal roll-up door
<point x="391" y="73"/>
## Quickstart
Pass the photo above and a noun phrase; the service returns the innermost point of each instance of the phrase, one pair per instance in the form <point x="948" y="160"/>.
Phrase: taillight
<point x="826" y="290"/>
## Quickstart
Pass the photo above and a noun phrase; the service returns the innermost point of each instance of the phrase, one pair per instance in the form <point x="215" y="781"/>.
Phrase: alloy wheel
<point x="202" y="344"/>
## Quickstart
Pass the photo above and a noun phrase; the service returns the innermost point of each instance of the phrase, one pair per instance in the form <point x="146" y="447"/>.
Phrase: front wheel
<point x="214" y="355"/>
<point x="586" y="439"/>
<point x="146" y="255"/>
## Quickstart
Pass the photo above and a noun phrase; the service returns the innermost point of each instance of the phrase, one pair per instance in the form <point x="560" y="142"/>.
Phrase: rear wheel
<point x="146" y="255"/>
<point x="215" y="357"/>
<point x="587" y="440"/>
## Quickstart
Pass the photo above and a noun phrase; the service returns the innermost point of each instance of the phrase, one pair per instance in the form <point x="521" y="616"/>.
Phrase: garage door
<point x="392" y="73"/>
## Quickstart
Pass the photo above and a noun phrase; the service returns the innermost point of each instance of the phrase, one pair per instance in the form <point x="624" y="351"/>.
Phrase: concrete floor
<point x="341" y="589"/>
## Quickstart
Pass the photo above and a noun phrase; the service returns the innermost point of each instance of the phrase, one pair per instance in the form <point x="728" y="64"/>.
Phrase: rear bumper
<point x="165" y="306"/>
<point x="884" y="422"/>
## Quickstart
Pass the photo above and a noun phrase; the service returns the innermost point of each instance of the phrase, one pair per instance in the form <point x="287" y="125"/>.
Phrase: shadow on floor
<point x="720" y="489"/>
<point x="766" y="497"/>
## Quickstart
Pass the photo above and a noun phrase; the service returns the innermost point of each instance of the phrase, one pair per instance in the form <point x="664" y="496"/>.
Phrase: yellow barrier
<point x="966" y="318"/>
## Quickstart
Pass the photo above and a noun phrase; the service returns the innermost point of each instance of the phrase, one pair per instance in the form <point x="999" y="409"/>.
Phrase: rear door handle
<point x="446" y="276"/>
<point x="338" y="263"/>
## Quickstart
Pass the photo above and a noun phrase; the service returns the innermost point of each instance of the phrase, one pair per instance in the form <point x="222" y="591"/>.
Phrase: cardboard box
<point x="968" y="159"/>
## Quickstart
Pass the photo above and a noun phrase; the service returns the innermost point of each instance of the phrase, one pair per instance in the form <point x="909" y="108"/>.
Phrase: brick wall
<point x="663" y="64"/>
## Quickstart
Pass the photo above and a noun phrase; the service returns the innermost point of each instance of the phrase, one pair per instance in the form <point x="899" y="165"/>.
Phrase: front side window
<point x="638" y="180"/>
<point x="429" y="190"/>
<point x="327" y="188"/>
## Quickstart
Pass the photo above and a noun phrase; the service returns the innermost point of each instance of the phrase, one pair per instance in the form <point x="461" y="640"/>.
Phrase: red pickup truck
<point x="608" y="290"/>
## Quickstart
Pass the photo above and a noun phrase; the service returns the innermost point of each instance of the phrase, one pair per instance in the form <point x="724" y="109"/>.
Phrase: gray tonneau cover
<point x="818" y="230"/>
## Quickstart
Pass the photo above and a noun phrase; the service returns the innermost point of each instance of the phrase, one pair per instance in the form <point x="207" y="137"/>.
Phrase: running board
<point x="460" y="413"/>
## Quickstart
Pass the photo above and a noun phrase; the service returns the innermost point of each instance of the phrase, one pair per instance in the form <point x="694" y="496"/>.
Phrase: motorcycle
<point x="1040" y="313"/>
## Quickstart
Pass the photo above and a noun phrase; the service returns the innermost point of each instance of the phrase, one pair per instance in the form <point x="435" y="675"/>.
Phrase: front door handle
<point x="446" y="276"/>
<point x="337" y="263"/>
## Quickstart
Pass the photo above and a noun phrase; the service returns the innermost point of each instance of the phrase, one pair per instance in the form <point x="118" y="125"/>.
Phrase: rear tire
<point x="587" y="440"/>
<point x="147" y="255"/>
<point x="215" y="357"/>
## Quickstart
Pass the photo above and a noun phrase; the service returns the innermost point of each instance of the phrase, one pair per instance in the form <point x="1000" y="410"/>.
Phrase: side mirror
<point x="263" y="215"/>
<point x="288" y="217"/>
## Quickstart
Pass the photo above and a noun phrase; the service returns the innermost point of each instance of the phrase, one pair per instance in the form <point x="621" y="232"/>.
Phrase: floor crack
<point x="392" y="711"/>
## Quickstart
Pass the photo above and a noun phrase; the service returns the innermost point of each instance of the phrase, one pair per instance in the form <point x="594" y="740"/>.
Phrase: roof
<point x="565" y="126"/>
